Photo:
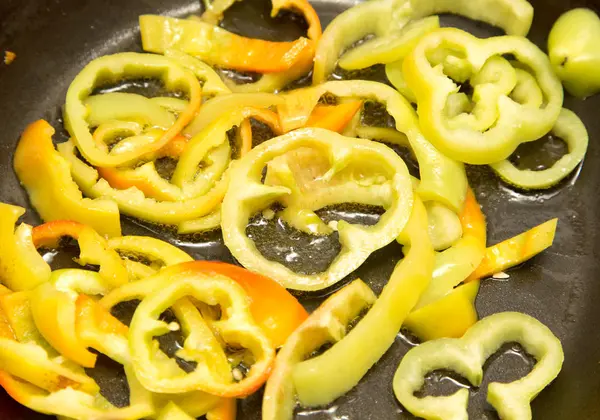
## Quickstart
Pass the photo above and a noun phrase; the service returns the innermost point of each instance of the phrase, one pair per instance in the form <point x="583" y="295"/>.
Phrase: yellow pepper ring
<point x="118" y="66"/>
<point x="248" y="195"/>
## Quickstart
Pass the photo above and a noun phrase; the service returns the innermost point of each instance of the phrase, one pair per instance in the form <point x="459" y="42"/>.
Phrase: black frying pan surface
<point x="54" y="39"/>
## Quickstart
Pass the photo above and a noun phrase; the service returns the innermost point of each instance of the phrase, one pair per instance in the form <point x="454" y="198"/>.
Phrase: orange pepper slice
<point x="333" y="117"/>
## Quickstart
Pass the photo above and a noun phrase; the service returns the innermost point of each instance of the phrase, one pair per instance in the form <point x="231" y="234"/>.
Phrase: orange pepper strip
<point x="314" y="31"/>
<point x="333" y="117"/>
<point x="273" y="308"/>
<point x="516" y="250"/>
<point x="48" y="234"/>
<point x="472" y="218"/>
<point x="225" y="410"/>
<point x="266" y="116"/>
<point x="89" y="312"/>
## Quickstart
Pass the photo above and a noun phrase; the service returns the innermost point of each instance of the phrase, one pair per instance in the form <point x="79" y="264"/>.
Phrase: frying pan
<point x="54" y="39"/>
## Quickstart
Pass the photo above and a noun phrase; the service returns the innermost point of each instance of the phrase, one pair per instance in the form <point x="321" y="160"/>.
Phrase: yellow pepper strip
<point x="456" y="263"/>
<point x="126" y="107"/>
<point x="322" y="379"/>
<point x="218" y="47"/>
<point x="17" y="312"/>
<point x="159" y="253"/>
<point x="218" y="106"/>
<point x="569" y="128"/>
<point x="53" y="309"/>
<point x="444" y="226"/>
<point x="327" y="324"/>
<point x="516" y="250"/>
<point x="93" y="248"/>
<point x="173" y="412"/>
<point x="386" y="183"/>
<point x="450" y="316"/>
<point x="21" y="267"/>
<point x="237" y="329"/>
<point x="115" y="67"/>
<point x="212" y="84"/>
<point x="51" y="188"/>
<point x="211" y="221"/>
<point x="500" y="124"/>
<point x="442" y="179"/>
<point x="467" y="355"/>
<point x="385" y="18"/>
<point x="574" y="51"/>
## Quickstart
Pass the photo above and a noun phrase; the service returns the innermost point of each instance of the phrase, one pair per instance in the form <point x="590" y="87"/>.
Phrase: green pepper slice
<point x="467" y="355"/>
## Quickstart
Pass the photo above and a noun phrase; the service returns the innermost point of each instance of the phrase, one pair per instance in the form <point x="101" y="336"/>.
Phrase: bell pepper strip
<point x="159" y="253"/>
<point x="569" y="128"/>
<point x="212" y="85"/>
<point x="237" y="329"/>
<point x="115" y="67"/>
<point x="466" y="357"/>
<point x="392" y="189"/>
<point x="390" y="48"/>
<point x="444" y="226"/>
<point x="514" y="124"/>
<point x="53" y="309"/>
<point x="126" y="107"/>
<point x="51" y="188"/>
<point x="75" y="404"/>
<point x="395" y="75"/>
<point x="214" y="13"/>
<point x="382" y="18"/>
<point x="5" y="328"/>
<point x="442" y="179"/>
<point x="173" y="412"/>
<point x="225" y="410"/>
<point x="211" y="221"/>
<point x="17" y="311"/>
<point x="21" y="267"/>
<point x="93" y="248"/>
<point x="516" y="250"/>
<point x="450" y="316"/>
<point x="218" y="106"/>
<point x="322" y="379"/>
<point x="328" y="324"/>
<point x="31" y="363"/>
<point x="333" y="117"/>
<point x="574" y="52"/>
<point x="218" y="47"/>
<point x="455" y="264"/>
<point x="174" y="105"/>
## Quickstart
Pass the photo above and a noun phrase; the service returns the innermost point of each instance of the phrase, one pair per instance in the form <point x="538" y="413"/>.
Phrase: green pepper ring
<point x="114" y="67"/>
<point x="571" y="129"/>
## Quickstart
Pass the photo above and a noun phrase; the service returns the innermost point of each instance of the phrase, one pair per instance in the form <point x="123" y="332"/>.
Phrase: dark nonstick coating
<point x="53" y="39"/>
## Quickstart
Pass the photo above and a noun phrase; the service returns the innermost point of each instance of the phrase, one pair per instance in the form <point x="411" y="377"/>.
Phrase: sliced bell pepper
<point x="385" y="18"/>
<point x="218" y="47"/>
<point x="266" y="296"/>
<point x="574" y="51"/>
<point x="211" y="221"/>
<point x="569" y="128"/>
<point x="51" y="188"/>
<point x="466" y="357"/>
<point x="516" y="250"/>
<point x="442" y="179"/>
<point x="212" y="84"/>
<point x="324" y="378"/>
<point x="173" y="412"/>
<point x="456" y="263"/>
<point x="235" y="327"/>
<point x="93" y="248"/>
<point x="450" y="316"/>
<point x="327" y="324"/>
<point x="75" y="404"/>
<point x="386" y="182"/>
<point x="444" y="226"/>
<point x="126" y="107"/>
<point x="333" y="117"/>
<point x="471" y="138"/>
<point x="21" y="267"/>
<point x="158" y="253"/>
<point x="115" y="67"/>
